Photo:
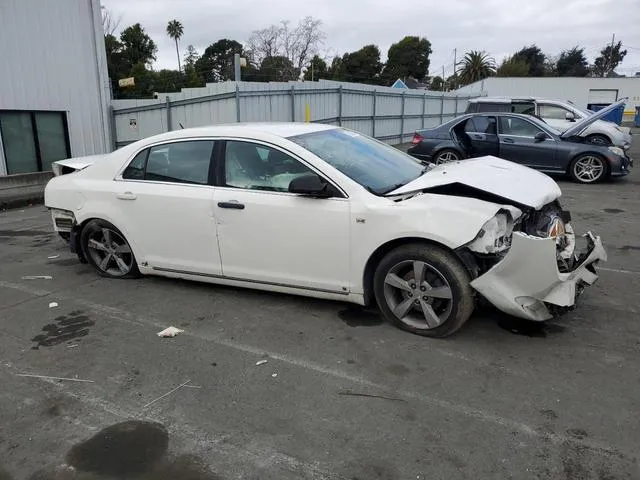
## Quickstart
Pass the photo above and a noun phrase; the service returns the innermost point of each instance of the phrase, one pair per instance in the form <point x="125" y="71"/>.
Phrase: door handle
<point x="126" y="196"/>
<point x="478" y="137"/>
<point x="233" y="204"/>
<point x="508" y="140"/>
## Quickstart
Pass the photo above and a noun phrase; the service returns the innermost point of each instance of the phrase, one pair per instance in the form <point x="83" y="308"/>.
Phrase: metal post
<point x="237" y="103"/>
<point x="112" y="126"/>
<point x="168" y="103"/>
<point x="424" y="107"/>
<point x="373" y="115"/>
<point x="402" y="117"/>
<point x="293" y="103"/>
<point x="236" y="67"/>
<point x="340" y="105"/>
<point x="442" y="109"/>
<point x="456" y="106"/>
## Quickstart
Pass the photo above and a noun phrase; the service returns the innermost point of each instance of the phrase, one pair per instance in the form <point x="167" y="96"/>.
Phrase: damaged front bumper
<point x="527" y="282"/>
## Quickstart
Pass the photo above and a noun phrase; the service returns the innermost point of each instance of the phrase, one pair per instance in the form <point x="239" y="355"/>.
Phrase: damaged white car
<point x="325" y="212"/>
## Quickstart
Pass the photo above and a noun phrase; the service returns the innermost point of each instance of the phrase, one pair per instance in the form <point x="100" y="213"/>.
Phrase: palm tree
<point x="175" y="31"/>
<point x="476" y="65"/>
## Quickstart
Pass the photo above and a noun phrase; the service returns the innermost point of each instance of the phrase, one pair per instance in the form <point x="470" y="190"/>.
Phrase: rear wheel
<point x="446" y="156"/>
<point x="424" y="289"/>
<point x="598" y="139"/>
<point x="106" y="249"/>
<point x="589" y="168"/>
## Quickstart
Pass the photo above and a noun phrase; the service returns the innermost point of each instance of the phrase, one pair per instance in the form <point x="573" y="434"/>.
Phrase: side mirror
<point x="570" y="116"/>
<point x="311" y="185"/>
<point x="541" y="137"/>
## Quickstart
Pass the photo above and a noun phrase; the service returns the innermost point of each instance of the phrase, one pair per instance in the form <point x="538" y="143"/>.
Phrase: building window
<point x="32" y="141"/>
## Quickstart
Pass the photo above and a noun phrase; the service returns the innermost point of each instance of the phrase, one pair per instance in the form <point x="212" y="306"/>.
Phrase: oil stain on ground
<point x="613" y="210"/>
<point x="359" y="317"/>
<point x="529" y="328"/>
<point x="66" y="327"/>
<point x="129" y="450"/>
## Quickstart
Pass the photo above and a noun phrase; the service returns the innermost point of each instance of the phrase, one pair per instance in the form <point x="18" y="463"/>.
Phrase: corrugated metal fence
<point x="386" y="113"/>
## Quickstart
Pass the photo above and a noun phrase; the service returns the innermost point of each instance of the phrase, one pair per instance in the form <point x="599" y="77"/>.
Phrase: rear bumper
<point x="527" y="283"/>
<point x="414" y="151"/>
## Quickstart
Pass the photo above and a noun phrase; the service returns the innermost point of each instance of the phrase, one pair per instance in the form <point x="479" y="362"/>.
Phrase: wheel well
<point x="604" y="135"/>
<point x="382" y="250"/>
<point x="443" y="149"/>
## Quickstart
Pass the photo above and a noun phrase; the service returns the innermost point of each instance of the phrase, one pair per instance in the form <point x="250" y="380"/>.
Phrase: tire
<point x="447" y="155"/>
<point x="100" y="239"/>
<point x="415" y="309"/>
<point x="599" y="139"/>
<point x="588" y="168"/>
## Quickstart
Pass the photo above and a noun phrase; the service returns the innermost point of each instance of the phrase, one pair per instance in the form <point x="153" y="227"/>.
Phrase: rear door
<point x="518" y="143"/>
<point x="482" y="133"/>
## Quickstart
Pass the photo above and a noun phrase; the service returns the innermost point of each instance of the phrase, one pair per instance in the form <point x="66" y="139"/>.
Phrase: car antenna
<point x="181" y="126"/>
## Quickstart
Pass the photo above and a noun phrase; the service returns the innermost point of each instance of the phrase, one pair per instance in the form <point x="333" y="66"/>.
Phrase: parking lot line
<point x="459" y="408"/>
<point x="617" y="270"/>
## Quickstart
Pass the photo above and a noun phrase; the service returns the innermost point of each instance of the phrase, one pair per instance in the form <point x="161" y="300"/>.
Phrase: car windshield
<point x="373" y="164"/>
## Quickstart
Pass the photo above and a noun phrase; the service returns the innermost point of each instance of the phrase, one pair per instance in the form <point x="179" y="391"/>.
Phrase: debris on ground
<point x="169" y="332"/>
<point x="37" y="277"/>
<point x="52" y="257"/>
<point x="54" y="378"/>
<point x="168" y="393"/>
<point x="368" y="395"/>
<point x="53" y="305"/>
<point x="274" y="375"/>
<point x="260" y="362"/>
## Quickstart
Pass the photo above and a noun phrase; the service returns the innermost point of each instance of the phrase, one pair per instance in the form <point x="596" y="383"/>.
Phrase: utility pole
<point x="443" y="79"/>
<point x="455" y="65"/>
<point x="610" y="59"/>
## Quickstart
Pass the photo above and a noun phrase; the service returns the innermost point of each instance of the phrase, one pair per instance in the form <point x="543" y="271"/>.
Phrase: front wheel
<point x="424" y="289"/>
<point x="106" y="249"/>
<point x="588" y="168"/>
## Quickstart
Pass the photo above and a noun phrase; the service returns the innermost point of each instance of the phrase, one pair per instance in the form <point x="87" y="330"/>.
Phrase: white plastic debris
<point x="261" y="362"/>
<point x="37" y="277"/>
<point x="51" y="257"/>
<point x="274" y="375"/>
<point x="53" y="305"/>
<point x="169" y="332"/>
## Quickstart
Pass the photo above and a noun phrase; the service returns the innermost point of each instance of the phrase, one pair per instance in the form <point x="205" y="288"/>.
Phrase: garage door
<point x="602" y="96"/>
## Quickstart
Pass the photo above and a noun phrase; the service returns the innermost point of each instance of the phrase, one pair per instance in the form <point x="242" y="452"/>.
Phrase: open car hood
<point x="578" y="127"/>
<point x="487" y="178"/>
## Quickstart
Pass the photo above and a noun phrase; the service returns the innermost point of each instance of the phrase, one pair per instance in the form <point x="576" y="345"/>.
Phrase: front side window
<point x="518" y="127"/>
<point x="553" y="112"/>
<point x="373" y="164"/>
<point x="180" y="162"/>
<point x="257" y="167"/>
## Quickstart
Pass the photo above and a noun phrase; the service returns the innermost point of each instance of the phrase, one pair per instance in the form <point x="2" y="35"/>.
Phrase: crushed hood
<point x="585" y="122"/>
<point x="487" y="178"/>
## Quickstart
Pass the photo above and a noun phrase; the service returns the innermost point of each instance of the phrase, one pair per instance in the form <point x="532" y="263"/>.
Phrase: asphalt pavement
<point x="342" y="394"/>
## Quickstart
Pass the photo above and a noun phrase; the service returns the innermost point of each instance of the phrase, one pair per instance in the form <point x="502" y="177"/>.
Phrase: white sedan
<point x="326" y="212"/>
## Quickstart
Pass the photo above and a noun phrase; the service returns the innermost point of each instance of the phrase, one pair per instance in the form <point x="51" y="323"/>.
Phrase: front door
<point x="519" y="144"/>
<point x="482" y="133"/>
<point x="163" y="205"/>
<point x="269" y="235"/>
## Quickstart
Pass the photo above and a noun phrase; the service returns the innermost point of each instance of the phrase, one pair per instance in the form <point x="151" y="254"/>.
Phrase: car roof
<point x="501" y="99"/>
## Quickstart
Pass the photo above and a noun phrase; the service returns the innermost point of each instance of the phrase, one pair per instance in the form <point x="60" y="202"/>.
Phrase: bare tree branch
<point x="109" y="23"/>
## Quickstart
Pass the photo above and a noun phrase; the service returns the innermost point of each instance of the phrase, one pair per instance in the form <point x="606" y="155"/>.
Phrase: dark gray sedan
<point x="522" y="139"/>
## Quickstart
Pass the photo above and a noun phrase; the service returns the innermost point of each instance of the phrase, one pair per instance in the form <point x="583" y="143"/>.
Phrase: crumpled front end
<point x="542" y="273"/>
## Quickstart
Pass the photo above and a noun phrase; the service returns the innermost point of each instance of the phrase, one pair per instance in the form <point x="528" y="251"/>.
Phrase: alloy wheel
<point x="446" y="157"/>
<point x="110" y="252"/>
<point x="588" y="169"/>
<point x="418" y="294"/>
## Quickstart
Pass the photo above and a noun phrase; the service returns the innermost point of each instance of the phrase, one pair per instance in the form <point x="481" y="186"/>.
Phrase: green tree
<point x="572" y="63"/>
<point x="317" y="69"/>
<point x="513" y="67"/>
<point x="609" y="59"/>
<point x="408" y="58"/>
<point x="192" y="77"/>
<point x="167" y="81"/>
<point x="475" y="66"/>
<point x="137" y="47"/>
<point x="275" y="69"/>
<point x="216" y="63"/>
<point x="437" y="84"/>
<point x="175" y="31"/>
<point x="361" y="66"/>
<point x="535" y="58"/>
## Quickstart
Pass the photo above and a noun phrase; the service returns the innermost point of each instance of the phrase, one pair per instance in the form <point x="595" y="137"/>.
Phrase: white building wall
<point x="580" y="91"/>
<point x="52" y="58"/>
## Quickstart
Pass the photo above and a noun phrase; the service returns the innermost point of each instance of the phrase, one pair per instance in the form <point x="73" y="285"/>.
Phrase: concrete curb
<point x="23" y="189"/>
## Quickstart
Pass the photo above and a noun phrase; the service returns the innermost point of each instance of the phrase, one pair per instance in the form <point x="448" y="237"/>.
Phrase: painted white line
<point x="616" y="270"/>
<point x="479" y="414"/>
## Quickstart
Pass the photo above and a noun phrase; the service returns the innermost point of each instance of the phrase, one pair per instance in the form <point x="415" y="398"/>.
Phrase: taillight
<point x="417" y="139"/>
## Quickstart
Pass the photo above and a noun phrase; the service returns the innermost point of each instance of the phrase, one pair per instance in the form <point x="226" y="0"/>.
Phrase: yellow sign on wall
<point x="127" y="82"/>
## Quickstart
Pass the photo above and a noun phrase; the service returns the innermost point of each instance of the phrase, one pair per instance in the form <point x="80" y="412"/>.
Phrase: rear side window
<point x="494" y="107"/>
<point x="179" y="162"/>
<point x="481" y="125"/>
<point x="472" y="107"/>
<point x="526" y="108"/>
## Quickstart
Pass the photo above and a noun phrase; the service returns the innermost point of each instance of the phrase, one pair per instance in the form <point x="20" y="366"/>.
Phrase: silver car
<point x="558" y="114"/>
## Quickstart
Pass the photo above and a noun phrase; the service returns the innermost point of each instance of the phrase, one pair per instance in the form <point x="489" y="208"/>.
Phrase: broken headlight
<point x="494" y="236"/>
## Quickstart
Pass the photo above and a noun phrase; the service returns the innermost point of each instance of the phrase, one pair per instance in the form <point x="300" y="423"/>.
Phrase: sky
<point x="499" y="27"/>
